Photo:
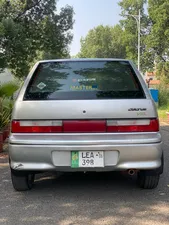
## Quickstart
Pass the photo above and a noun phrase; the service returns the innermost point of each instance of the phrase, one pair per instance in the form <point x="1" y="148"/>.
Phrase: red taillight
<point x="152" y="126"/>
<point x="84" y="126"/>
<point x="35" y="127"/>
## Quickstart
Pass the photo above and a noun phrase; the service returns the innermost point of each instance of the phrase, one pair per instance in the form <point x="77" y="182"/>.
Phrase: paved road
<point x="95" y="199"/>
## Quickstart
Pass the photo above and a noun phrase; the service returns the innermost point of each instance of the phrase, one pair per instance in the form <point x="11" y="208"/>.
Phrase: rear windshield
<point x="75" y="80"/>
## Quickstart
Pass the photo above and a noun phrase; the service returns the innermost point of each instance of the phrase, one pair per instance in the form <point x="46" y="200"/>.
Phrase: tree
<point x="158" y="40"/>
<point x="31" y="30"/>
<point x="103" y="42"/>
<point x="129" y="24"/>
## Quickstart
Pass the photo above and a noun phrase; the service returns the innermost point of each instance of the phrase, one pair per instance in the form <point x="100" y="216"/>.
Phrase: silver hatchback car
<point x="85" y="115"/>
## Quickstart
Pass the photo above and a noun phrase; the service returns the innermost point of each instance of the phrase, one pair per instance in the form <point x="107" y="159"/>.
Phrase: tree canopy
<point x="154" y="34"/>
<point x="158" y="39"/>
<point x="103" y="42"/>
<point x="130" y="8"/>
<point x="35" y="29"/>
<point x="121" y="41"/>
<point x="31" y="30"/>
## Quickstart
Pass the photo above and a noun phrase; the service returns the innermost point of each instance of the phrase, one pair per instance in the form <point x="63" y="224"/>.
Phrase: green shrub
<point x="6" y="106"/>
<point x="8" y="89"/>
<point x="163" y="96"/>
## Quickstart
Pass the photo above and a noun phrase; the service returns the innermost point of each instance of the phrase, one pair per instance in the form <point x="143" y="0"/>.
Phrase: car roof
<point x="83" y="60"/>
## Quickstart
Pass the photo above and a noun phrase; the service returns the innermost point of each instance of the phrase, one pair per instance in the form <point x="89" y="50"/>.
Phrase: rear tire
<point x="146" y="181"/>
<point x="22" y="181"/>
<point x="149" y="179"/>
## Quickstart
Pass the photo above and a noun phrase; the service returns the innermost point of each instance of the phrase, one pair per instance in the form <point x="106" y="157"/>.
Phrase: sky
<point x="89" y="14"/>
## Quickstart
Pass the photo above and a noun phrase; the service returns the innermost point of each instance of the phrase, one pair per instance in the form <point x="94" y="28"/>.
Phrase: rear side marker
<point x="85" y="126"/>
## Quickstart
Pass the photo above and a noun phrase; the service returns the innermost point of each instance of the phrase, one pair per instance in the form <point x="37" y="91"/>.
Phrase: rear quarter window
<point x="73" y="80"/>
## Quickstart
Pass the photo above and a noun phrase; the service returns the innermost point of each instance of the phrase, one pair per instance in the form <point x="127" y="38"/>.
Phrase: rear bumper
<point x="58" y="157"/>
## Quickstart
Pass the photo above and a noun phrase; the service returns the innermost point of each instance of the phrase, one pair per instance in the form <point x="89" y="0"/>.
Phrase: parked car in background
<point x="85" y="115"/>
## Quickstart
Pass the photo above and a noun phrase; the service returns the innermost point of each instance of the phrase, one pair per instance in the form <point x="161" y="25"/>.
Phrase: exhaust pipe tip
<point x="131" y="172"/>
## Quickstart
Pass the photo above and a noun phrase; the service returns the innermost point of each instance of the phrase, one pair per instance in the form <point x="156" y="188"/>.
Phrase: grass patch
<point x="162" y="114"/>
<point x="163" y="104"/>
<point x="163" y="97"/>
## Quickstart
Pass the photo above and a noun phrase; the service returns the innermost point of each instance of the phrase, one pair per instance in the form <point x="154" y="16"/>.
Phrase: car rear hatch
<point x="66" y="101"/>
